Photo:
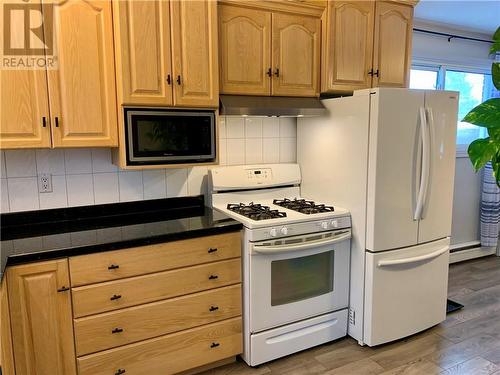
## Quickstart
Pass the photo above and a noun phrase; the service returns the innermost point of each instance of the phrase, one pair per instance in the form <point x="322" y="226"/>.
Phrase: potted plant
<point x="487" y="115"/>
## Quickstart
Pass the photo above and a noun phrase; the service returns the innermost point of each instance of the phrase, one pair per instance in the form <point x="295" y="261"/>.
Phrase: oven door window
<point x="301" y="278"/>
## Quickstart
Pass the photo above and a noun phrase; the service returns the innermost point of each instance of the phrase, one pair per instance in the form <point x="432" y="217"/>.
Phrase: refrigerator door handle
<point x="430" y="126"/>
<point x="424" y="178"/>
<point x="393" y="262"/>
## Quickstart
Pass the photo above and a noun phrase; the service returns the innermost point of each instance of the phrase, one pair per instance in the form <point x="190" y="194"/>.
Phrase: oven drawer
<point x="168" y="354"/>
<point x="108" y="330"/>
<point x="406" y="287"/>
<point x="118" y="294"/>
<point x="278" y="342"/>
<point x="112" y="265"/>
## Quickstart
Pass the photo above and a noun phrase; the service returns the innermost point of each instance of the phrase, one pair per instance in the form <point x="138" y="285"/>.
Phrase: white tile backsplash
<point x="58" y="198"/>
<point x="80" y="189"/>
<point x="131" y="186"/>
<point x="20" y="163"/>
<point x="155" y="183"/>
<point x="88" y="176"/>
<point x="106" y="188"/>
<point x="78" y="160"/>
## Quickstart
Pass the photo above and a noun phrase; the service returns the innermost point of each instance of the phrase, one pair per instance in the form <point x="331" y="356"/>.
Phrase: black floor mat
<point x="452" y="306"/>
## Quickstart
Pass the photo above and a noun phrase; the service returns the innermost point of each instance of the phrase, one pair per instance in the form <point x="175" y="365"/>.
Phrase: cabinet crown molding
<point x="313" y="8"/>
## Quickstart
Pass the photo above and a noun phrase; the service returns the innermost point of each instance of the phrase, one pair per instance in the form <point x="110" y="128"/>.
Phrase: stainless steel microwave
<point x="168" y="136"/>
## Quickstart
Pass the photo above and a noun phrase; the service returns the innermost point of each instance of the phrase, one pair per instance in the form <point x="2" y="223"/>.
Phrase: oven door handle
<point x="274" y="249"/>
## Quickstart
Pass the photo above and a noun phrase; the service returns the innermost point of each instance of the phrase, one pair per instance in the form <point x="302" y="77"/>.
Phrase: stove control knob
<point x="284" y="231"/>
<point x="324" y="225"/>
<point x="334" y="223"/>
<point x="273" y="232"/>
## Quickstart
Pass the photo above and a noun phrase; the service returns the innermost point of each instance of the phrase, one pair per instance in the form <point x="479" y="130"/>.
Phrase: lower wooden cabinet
<point x="172" y="307"/>
<point x="40" y="314"/>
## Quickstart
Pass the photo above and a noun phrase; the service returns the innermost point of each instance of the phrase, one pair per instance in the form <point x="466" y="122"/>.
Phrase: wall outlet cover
<point x="45" y="183"/>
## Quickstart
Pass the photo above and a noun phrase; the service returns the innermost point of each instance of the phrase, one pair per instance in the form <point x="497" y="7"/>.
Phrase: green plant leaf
<point x="495" y="47"/>
<point x="496" y="36"/>
<point x="495" y="74"/>
<point x="480" y="152"/>
<point x="495" y="164"/>
<point x="494" y="134"/>
<point x="486" y="114"/>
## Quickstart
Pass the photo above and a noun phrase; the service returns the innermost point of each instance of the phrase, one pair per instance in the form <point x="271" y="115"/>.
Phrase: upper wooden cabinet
<point x="366" y="44"/>
<point x="82" y="91"/>
<point x="166" y="53"/>
<point x="349" y="41"/>
<point x="392" y="44"/>
<point x="270" y="48"/>
<point x="296" y="55"/>
<point x="40" y="316"/>
<point x="73" y="105"/>
<point x="24" y="109"/>
<point x="245" y="50"/>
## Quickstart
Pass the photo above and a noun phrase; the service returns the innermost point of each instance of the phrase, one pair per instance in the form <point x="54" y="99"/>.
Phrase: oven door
<point x="298" y="277"/>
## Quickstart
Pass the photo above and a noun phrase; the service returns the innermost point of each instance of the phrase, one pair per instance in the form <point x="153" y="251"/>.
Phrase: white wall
<point x="461" y="54"/>
<point x="87" y="176"/>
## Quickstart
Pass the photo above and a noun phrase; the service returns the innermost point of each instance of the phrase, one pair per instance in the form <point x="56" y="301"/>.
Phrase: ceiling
<point x="473" y="15"/>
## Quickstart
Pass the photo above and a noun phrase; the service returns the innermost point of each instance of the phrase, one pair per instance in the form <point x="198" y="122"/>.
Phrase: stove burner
<point x="303" y="206"/>
<point x="255" y="211"/>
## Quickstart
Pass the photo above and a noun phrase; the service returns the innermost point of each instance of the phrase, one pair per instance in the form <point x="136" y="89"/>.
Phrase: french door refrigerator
<point x="388" y="155"/>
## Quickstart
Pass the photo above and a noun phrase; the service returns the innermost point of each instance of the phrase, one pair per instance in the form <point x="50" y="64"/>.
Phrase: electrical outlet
<point x="45" y="183"/>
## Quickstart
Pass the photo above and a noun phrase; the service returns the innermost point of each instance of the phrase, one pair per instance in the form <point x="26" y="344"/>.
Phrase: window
<point x="474" y="87"/>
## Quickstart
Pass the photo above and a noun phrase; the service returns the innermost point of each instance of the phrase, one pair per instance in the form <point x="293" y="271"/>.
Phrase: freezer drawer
<point x="278" y="342"/>
<point x="405" y="291"/>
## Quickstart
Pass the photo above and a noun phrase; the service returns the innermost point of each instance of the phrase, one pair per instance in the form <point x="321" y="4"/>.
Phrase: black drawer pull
<point x="115" y="297"/>
<point x="44" y="121"/>
<point x="120" y="371"/>
<point x="63" y="289"/>
<point x="213" y="308"/>
<point x="214" y="345"/>
<point x="117" y="330"/>
<point x="212" y="250"/>
<point x="270" y="72"/>
<point x="277" y="72"/>
<point x="168" y="79"/>
<point x="57" y="121"/>
<point x="178" y="80"/>
<point x="113" y="267"/>
<point x="213" y="277"/>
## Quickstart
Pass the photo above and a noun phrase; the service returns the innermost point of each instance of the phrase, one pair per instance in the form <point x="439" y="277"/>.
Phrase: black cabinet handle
<point x="117" y="330"/>
<point x="213" y="277"/>
<point x="120" y="371"/>
<point x="277" y="72"/>
<point x="169" y="80"/>
<point x="376" y="73"/>
<point x="44" y="122"/>
<point x="115" y="297"/>
<point x="213" y="308"/>
<point x="113" y="267"/>
<point x="57" y="121"/>
<point x="270" y="72"/>
<point x="212" y="250"/>
<point x="178" y="80"/>
<point x="63" y="289"/>
<point x="370" y="73"/>
<point x="214" y="345"/>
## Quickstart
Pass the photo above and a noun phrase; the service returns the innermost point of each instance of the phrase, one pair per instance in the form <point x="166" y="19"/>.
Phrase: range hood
<point x="238" y="105"/>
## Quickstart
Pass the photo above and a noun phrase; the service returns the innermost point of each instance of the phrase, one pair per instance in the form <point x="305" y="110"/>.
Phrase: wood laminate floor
<point x="468" y="342"/>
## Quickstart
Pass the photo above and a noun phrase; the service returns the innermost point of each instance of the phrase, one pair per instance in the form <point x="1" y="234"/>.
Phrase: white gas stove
<point x="295" y="259"/>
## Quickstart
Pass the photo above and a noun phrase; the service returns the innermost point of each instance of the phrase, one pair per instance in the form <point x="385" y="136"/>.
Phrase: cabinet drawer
<point x="118" y="294"/>
<point x="108" y="330"/>
<point x="168" y="354"/>
<point x="112" y="265"/>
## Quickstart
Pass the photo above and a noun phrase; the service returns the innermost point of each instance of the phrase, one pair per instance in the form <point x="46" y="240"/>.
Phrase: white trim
<point x="477" y="252"/>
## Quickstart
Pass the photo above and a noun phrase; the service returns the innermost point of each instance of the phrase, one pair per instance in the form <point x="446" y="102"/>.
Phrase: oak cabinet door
<point x="349" y="45"/>
<point x="392" y="44"/>
<point x="41" y="319"/>
<point x="143" y="56"/>
<point x="194" y="53"/>
<point x="82" y="91"/>
<point x="24" y="109"/>
<point x="296" y="55"/>
<point x="245" y="50"/>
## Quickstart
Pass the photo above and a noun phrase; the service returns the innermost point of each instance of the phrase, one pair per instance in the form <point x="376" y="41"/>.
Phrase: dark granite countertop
<point x="48" y="234"/>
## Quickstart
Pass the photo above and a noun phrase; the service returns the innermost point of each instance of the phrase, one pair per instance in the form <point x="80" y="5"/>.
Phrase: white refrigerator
<point x="388" y="155"/>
